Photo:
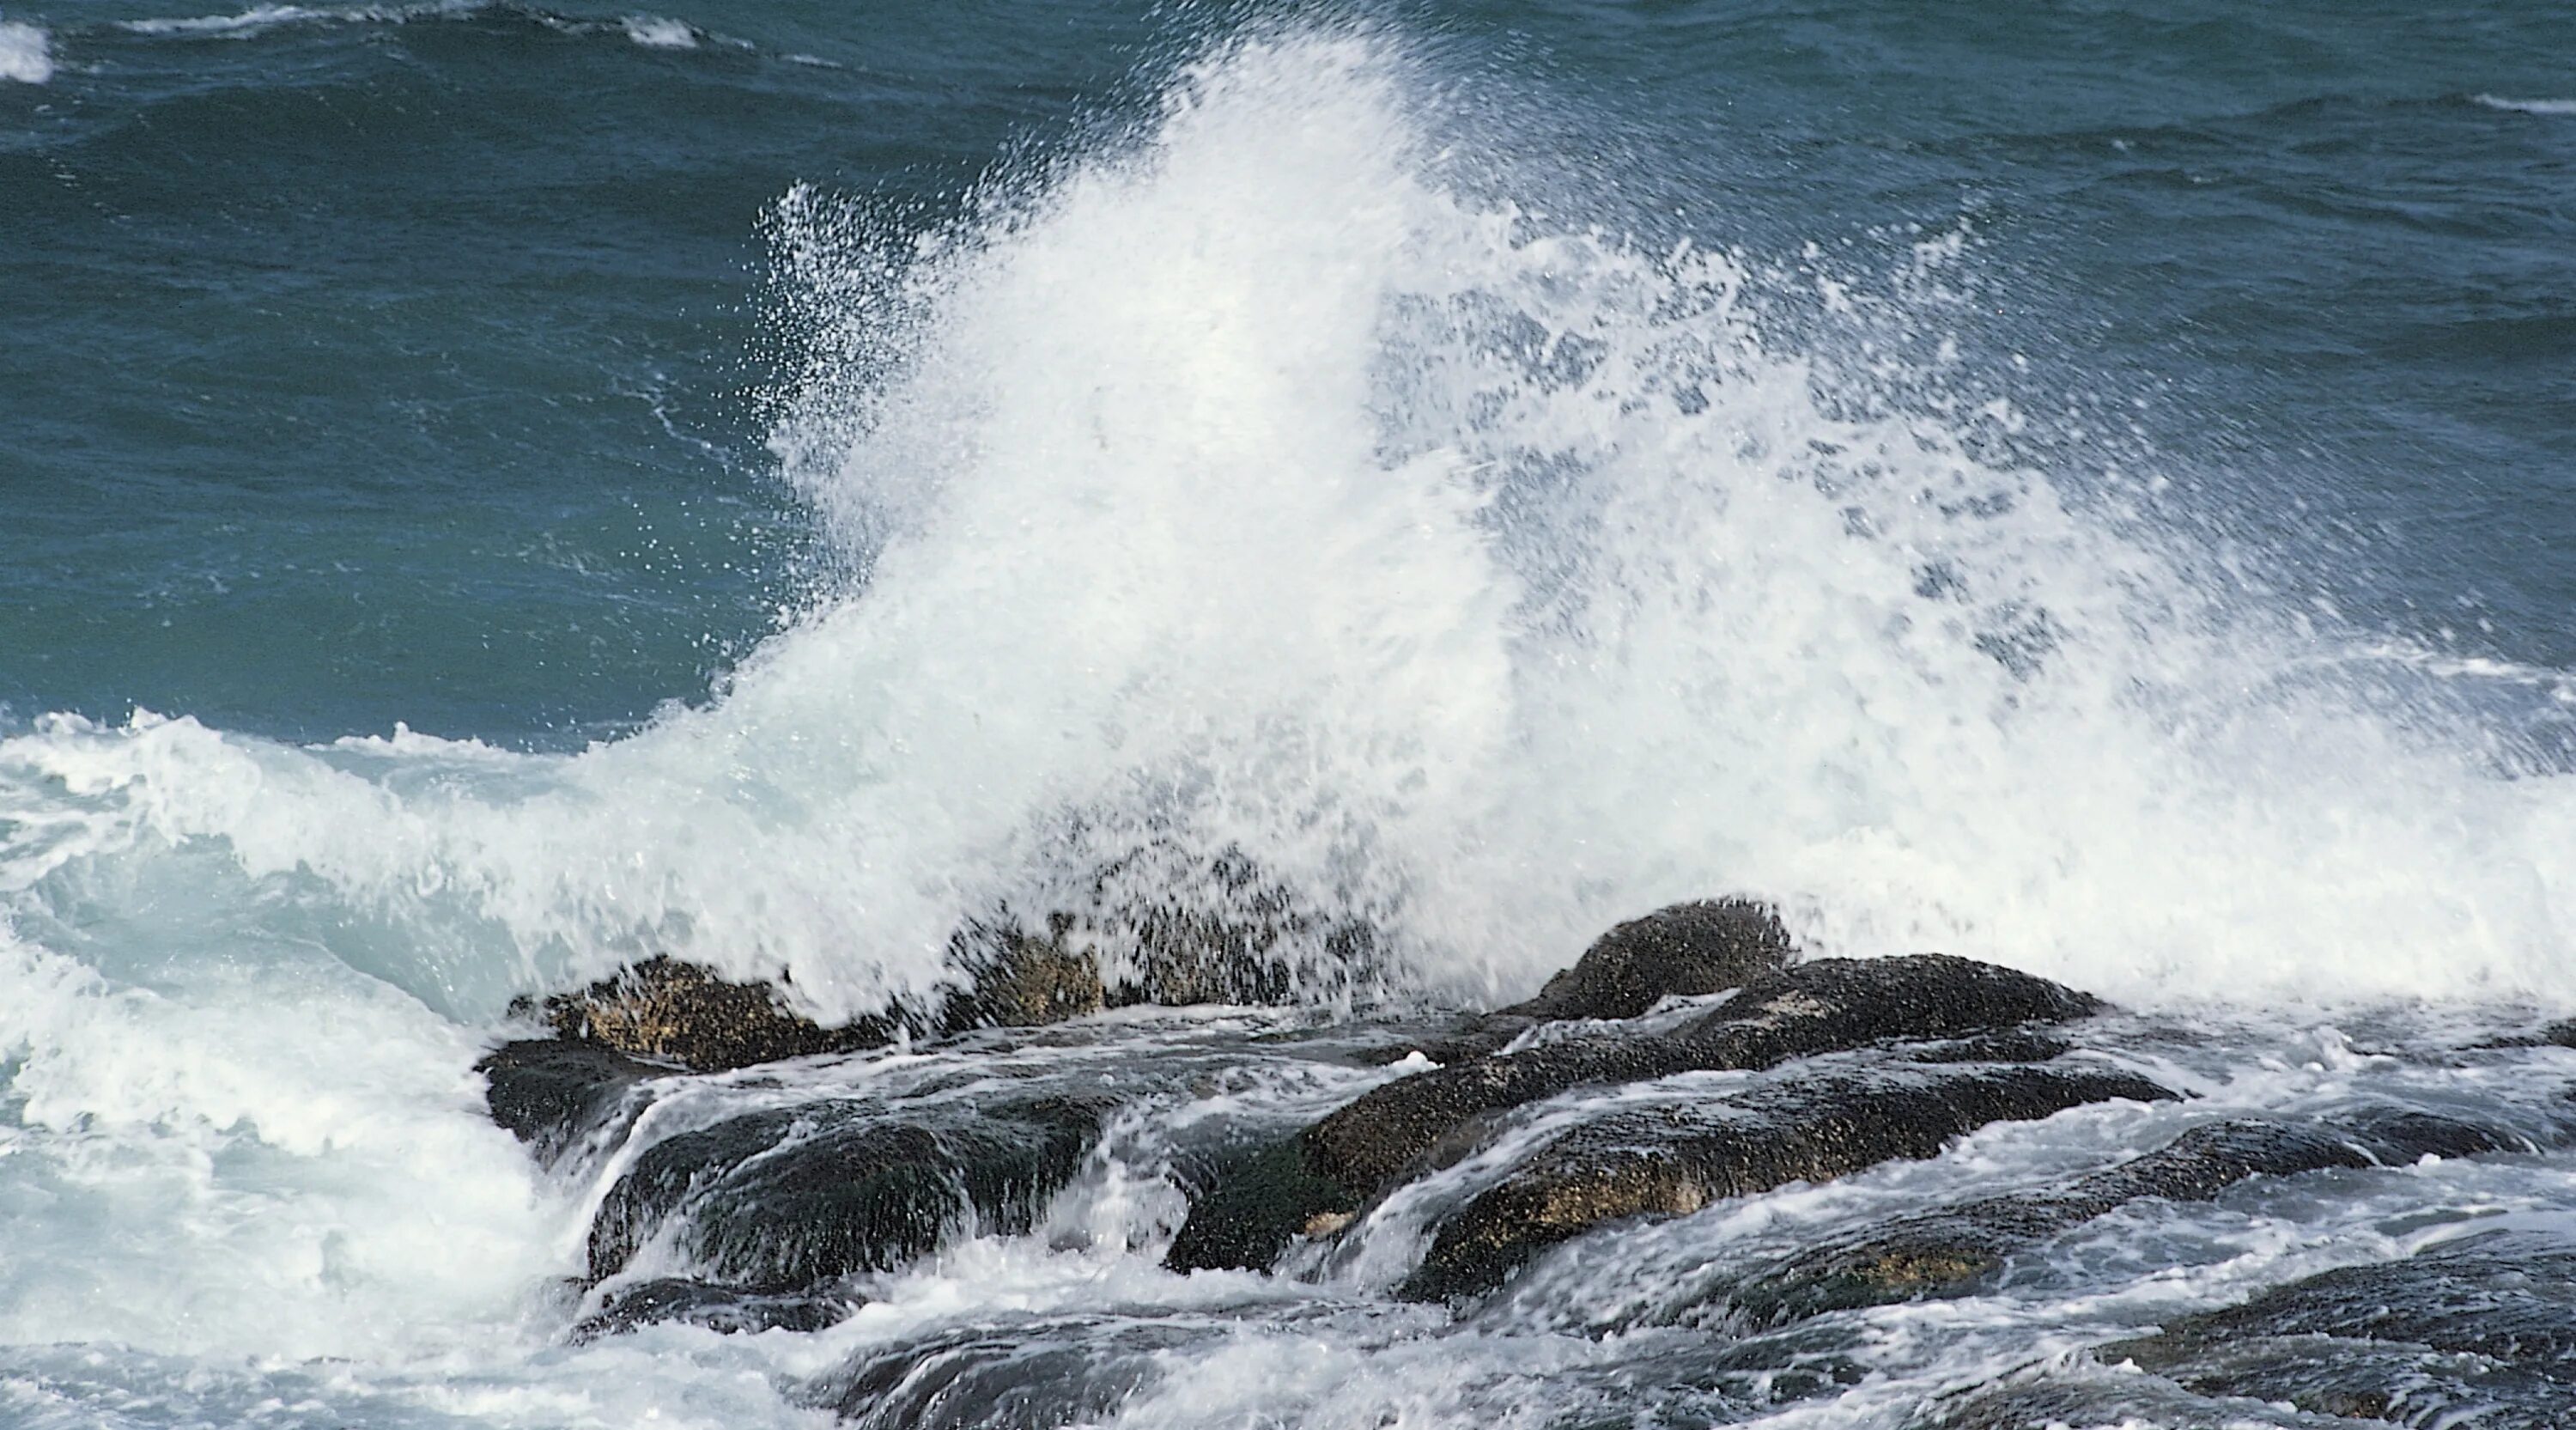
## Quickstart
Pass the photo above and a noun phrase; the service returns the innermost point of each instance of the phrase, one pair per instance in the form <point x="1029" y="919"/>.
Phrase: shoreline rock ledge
<point x="1930" y="1086"/>
<point x="767" y="1210"/>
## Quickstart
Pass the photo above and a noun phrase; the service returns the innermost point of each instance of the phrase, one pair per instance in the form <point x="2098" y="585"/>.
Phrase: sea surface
<point x="492" y="491"/>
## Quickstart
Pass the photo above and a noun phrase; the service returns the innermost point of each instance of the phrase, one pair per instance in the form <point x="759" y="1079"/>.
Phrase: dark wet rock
<point x="2479" y="1331"/>
<point x="2015" y="1045"/>
<point x="784" y="1199"/>
<point x="2103" y="1398"/>
<point x="1173" y="928"/>
<point x="1675" y="1159"/>
<point x="2560" y="1034"/>
<point x="2366" y="1380"/>
<point x="1030" y="1374"/>
<point x="1670" y="1382"/>
<point x="555" y="1095"/>
<point x="1953" y="1252"/>
<point x="1408" y="1126"/>
<point x="680" y="1013"/>
<point x="1254" y="1203"/>
<point x="717" y="1308"/>
<point x="1683" y="951"/>
<point x="1156" y="926"/>
<point x="1686" y="950"/>
<point x="1019" y="980"/>
<point x="1826" y="1006"/>
<point x="2506" y="1296"/>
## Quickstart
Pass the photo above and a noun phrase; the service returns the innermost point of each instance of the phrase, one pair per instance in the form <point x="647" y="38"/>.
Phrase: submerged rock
<point x="2508" y="1297"/>
<point x="784" y="1199"/>
<point x="2357" y="1379"/>
<point x="2478" y="1332"/>
<point x="717" y="1308"/>
<point x="2103" y="1398"/>
<point x="1953" y="1252"/>
<point x="1042" y="1373"/>
<point x="1676" y="1159"/>
<point x="1336" y="1167"/>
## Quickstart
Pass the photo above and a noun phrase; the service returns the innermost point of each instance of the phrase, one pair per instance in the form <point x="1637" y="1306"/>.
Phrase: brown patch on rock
<point x="681" y="1013"/>
<point x="1324" y="1224"/>
<point x="1022" y="981"/>
<point x="1674" y="1160"/>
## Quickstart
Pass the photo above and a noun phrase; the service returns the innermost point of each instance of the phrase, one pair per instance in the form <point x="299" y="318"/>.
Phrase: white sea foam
<point x="1261" y="483"/>
<point x="26" y="53"/>
<point x="655" y="32"/>
<point x="244" y="23"/>
<point x="238" y="1139"/>
<point x="2527" y="106"/>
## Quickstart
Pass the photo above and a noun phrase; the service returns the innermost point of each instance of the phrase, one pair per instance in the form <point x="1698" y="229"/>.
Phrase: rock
<point x="556" y="1095"/>
<point x="1019" y="980"/>
<point x="1952" y="1252"/>
<point x="1676" y="1159"/>
<point x="2509" y="1297"/>
<point x="785" y="1199"/>
<point x="1399" y="1130"/>
<point x="2096" y="1397"/>
<point x="1042" y="1373"/>
<point x="680" y="1013"/>
<point x="2476" y="1331"/>
<point x="1173" y="928"/>
<point x="1686" y="950"/>
<point x="2368" y="1380"/>
<point x="717" y="1308"/>
<point x="1255" y="1204"/>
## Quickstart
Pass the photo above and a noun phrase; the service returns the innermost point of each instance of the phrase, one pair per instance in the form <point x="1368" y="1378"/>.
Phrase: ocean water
<point x="488" y="492"/>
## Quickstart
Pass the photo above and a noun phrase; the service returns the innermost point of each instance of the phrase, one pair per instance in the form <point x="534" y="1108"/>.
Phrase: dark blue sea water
<point x="405" y="363"/>
<point x="489" y="490"/>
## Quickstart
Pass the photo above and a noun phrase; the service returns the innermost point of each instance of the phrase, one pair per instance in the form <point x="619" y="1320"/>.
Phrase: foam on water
<point x="1268" y="479"/>
<point x="246" y="1164"/>
<point x="26" y="53"/>
<point x="657" y="32"/>
<point x="2527" y="106"/>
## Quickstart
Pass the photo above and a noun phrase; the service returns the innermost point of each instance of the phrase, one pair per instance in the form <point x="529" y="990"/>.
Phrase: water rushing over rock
<point x="1355" y="1180"/>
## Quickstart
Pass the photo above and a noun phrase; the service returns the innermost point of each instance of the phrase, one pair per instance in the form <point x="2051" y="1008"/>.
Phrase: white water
<point x="1266" y="478"/>
<point x="1253" y="481"/>
<point x="26" y="53"/>
<point x="2528" y="106"/>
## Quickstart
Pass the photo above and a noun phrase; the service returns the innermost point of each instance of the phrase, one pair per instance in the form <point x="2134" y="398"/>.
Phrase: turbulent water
<point x="491" y="493"/>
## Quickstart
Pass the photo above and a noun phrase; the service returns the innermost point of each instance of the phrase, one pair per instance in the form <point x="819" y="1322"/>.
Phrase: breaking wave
<point x="1284" y="479"/>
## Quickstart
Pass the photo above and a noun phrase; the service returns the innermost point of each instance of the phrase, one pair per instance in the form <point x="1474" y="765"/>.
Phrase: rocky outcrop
<point x="1335" y="1168"/>
<point x="1020" y="980"/>
<point x="1678" y="1158"/>
<point x="1954" y="1252"/>
<point x="556" y="1095"/>
<point x="681" y="1014"/>
<point x="1155" y="927"/>
<point x="1685" y="950"/>
<point x="786" y="1199"/>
